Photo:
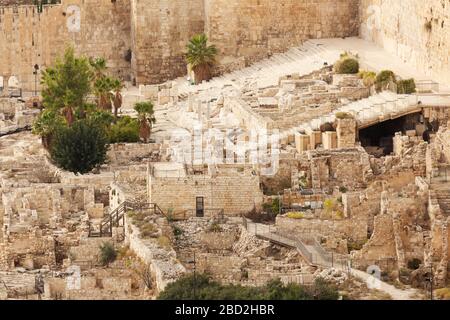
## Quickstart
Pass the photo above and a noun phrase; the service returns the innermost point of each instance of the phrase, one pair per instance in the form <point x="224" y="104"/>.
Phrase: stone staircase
<point x="301" y="60"/>
<point x="383" y="106"/>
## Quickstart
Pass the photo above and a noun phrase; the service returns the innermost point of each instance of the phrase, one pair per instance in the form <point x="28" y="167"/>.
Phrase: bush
<point x="384" y="78"/>
<point x="296" y="215"/>
<point x="347" y="65"/>
<point x="343" y="189"/>
<point x="79" y="148"/>
<point x="343" y="115"/>
<point x="206" y="289"/>
<point x="368" y="77"/>
<point x="177" y="231"/>
<point x="353" y="245"/>
<point x="164" y="242"/>
<point x="215" y="227"/>
<point x="108" y="253"/>
<point x="406" y="86"/>
<point x="148" y="230"/>
<point x="126" y="129"/>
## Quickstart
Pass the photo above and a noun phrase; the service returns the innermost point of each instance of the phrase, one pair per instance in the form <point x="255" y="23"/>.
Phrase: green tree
<point x="103" y="90"/>
<point x="146" y="118"/>
<point x="99" y="68"/>
<point x="46" y="124"/>
<point x="79" y="148"/>
<point x="117" y="87"/>
<point x="67" y="85"/>
<point x="125" y="129"/>
<point x="201" y="57"/>
<point x="202" y="287"/>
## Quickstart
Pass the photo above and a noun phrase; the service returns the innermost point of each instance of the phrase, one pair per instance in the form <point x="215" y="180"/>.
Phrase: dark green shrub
<point x="108" y="253"/>
<point x="343" y="190"/>
<point x="79" y="148"/>
<point x="202" y="287"/>
<point x="384" y="78"/>
<point x="347" y="66"/>
<point x="322" y="290"/>
<point x="407" y="86"/>
<point x="126" y="129"/>
<point x="177" y="231"/>
<point x="368" y="77"/>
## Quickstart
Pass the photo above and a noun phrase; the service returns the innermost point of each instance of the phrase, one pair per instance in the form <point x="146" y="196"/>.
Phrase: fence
<point x="306" y="244"/>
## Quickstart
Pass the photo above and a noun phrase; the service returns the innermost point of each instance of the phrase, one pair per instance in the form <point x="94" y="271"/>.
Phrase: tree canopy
<point x="201" y="287"/>
<point x="80" y="147"/>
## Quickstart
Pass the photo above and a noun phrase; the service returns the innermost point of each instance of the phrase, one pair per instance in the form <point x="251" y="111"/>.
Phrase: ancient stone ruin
<point x="278" y="167"/>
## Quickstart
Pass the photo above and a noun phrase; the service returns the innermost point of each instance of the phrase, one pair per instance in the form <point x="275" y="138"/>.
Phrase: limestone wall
<point x="253" y="28"/>
<point x="93" y="27"/>
<point x="417" y="31"/>
<point x="160" y="31"/>
<point x="355" y="228"/>
<point x="235" y="193"/>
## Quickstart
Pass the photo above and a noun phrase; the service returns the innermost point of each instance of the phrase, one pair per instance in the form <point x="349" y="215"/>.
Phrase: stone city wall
<point x="253" y="29"/>
<point x="417" y="31"/>
<point x="94" y="27"/>
<point x="146" y="41"/>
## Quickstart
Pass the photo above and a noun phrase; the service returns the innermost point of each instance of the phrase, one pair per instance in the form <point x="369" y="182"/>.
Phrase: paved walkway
<point x="269" y="233"/>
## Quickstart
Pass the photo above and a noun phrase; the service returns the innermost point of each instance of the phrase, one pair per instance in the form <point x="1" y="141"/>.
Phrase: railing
<point x="116" y="218"/>
<point x="317" y="255"/>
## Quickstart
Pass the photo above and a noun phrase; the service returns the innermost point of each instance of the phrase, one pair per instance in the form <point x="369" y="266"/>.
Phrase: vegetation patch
<point x="201" y="287"/>
<point x="343" y="115"/>
<point x="164" y="242"/>
<point x="296" y="215"/>
<point x="407" y="86"/>
<point x="384" y="79"/>
<point x="368" y="77"/>
<point x="108" y="253"/>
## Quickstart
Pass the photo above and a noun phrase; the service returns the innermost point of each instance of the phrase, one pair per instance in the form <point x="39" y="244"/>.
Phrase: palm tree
<point x="146" y="117"/>
<point x="117" y="100"/>
<point x="201" y="57"/>
<point x="102" y="88"/>
<point x="99" y="67"/>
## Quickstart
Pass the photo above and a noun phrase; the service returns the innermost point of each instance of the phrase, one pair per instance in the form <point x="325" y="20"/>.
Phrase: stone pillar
<point x="346" y="133"/>
<point x="315" y="139"/>
<point x="329" y="140"/>
<point x="5" y="91"/>
<point x="302" y="142"/>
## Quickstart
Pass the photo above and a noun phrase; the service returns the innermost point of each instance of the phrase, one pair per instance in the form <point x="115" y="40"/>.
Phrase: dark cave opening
<point x="378" y="139"/>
